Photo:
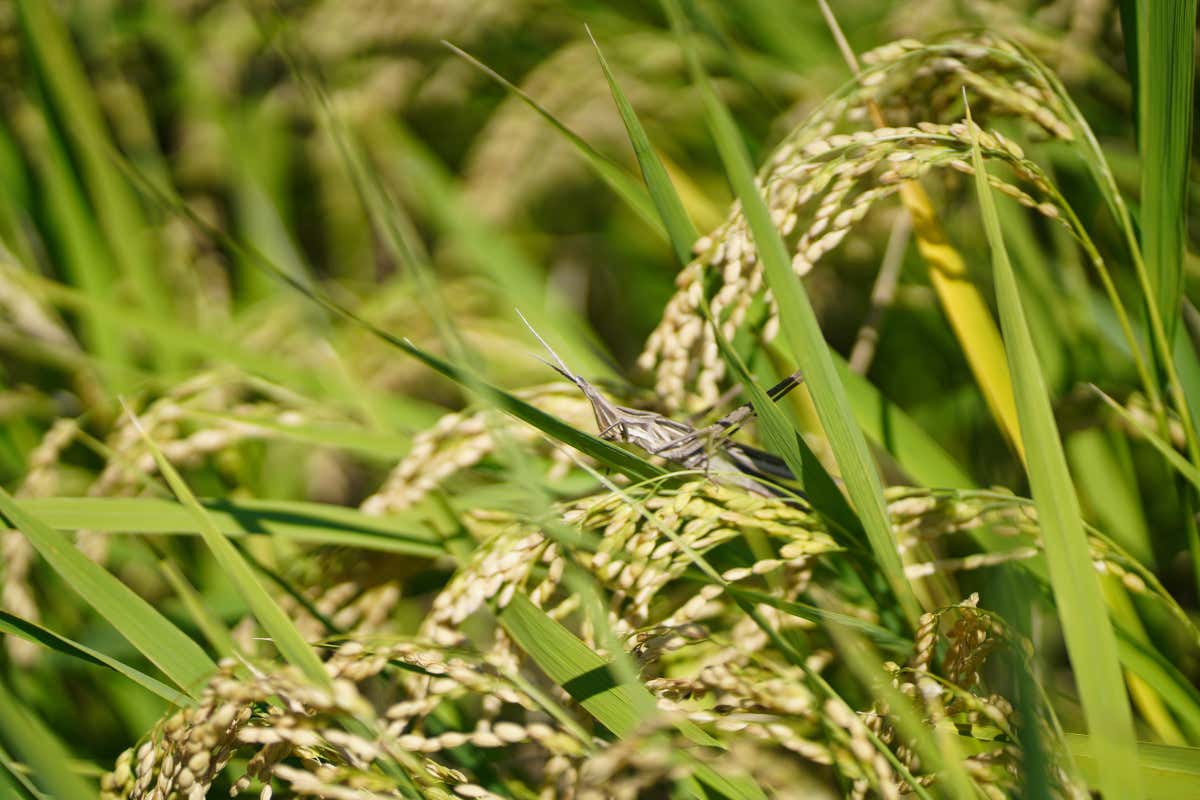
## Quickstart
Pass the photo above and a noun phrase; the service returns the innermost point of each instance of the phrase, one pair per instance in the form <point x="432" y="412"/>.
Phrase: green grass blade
<point x="492" y="253"/>
<point x="620" y="181"/>
<point x="183" y="341"/>
<point x="283" y="633"/>
<point x="288" y="588"/>
<point x="83" y="257"/>
<point x="1166" y="65"/>
<point x="31" y="631"/>
<point x="14" y="782"/>
<point x="1108" y="486"/>
<point x="1091" y="643"/>
<point x="1167" y="772"/>
<point x="803" y="334"/>
<point x="313" y="523"/>
<point x="390" y="221"/>
<point x="680" y="229"/>
<point x="1166" y="36"/>
<point x="1167" y="681"/>
<point x="620" y="707"/>
<point x="168" y="648"/>
<point x="35" y="745"/>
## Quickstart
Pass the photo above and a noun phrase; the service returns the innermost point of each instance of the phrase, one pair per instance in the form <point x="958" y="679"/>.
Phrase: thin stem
<point x="883" y="294"/>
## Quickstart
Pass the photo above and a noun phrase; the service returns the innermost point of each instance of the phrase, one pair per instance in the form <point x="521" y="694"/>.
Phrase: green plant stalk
<point x="84" y="256"/>
<point x="1185" y="468"/>
<point x="32" y="632"/>
<point x="620" y="181"/>
<point x="1108" y="485"/>
<point x="14" y="781"/>
<point x="219" y="638"/>
<point x="492" y="253"/>
<point x="679" y="227"/>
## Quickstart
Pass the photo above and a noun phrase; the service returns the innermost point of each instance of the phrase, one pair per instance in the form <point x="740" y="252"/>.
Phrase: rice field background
<point x="392" y="399"/>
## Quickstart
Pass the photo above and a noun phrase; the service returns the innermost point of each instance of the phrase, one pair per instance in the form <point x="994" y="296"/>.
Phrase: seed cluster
<point x="460" y="441"/>
<point x="821" y="183"/>
<point x="313" y="743"/>
<point x="921" y="516"/>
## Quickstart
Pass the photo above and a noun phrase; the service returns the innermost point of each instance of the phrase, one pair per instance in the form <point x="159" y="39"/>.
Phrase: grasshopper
<point x="708" y="449"/>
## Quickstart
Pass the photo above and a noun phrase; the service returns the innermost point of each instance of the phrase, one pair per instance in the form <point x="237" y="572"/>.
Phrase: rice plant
<point x="573" y="400"/>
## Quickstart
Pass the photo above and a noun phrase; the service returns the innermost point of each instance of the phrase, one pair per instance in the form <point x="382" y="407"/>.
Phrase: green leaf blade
<point x="1091" y="642"/>
<point x="620" y="706"/>
<point x="283" y="632"/>
<point x="167" y="647"/>
<point x="314" y="523"/>
<point x="620" y="181"/>
<point x="679" y="227"/>
<point x="1166" y="35"/>
<point x="32" y="632"/>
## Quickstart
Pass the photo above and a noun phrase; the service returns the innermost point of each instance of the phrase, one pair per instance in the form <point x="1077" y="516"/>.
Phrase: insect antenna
<point x="559" y="365"/>
<point x="608" y="417"/>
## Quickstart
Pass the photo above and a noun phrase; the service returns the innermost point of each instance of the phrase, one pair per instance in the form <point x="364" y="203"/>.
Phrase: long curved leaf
<point x="618" y="179"/>
<point x="1091" y="643"/>
<point x="279" y="627"/>
<point x="680" y="229"/>
<point x="32" y="632"/>
<point x="302" y="522"/>
<point x="620" y="706"/>
<point x="167" y="647"/>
